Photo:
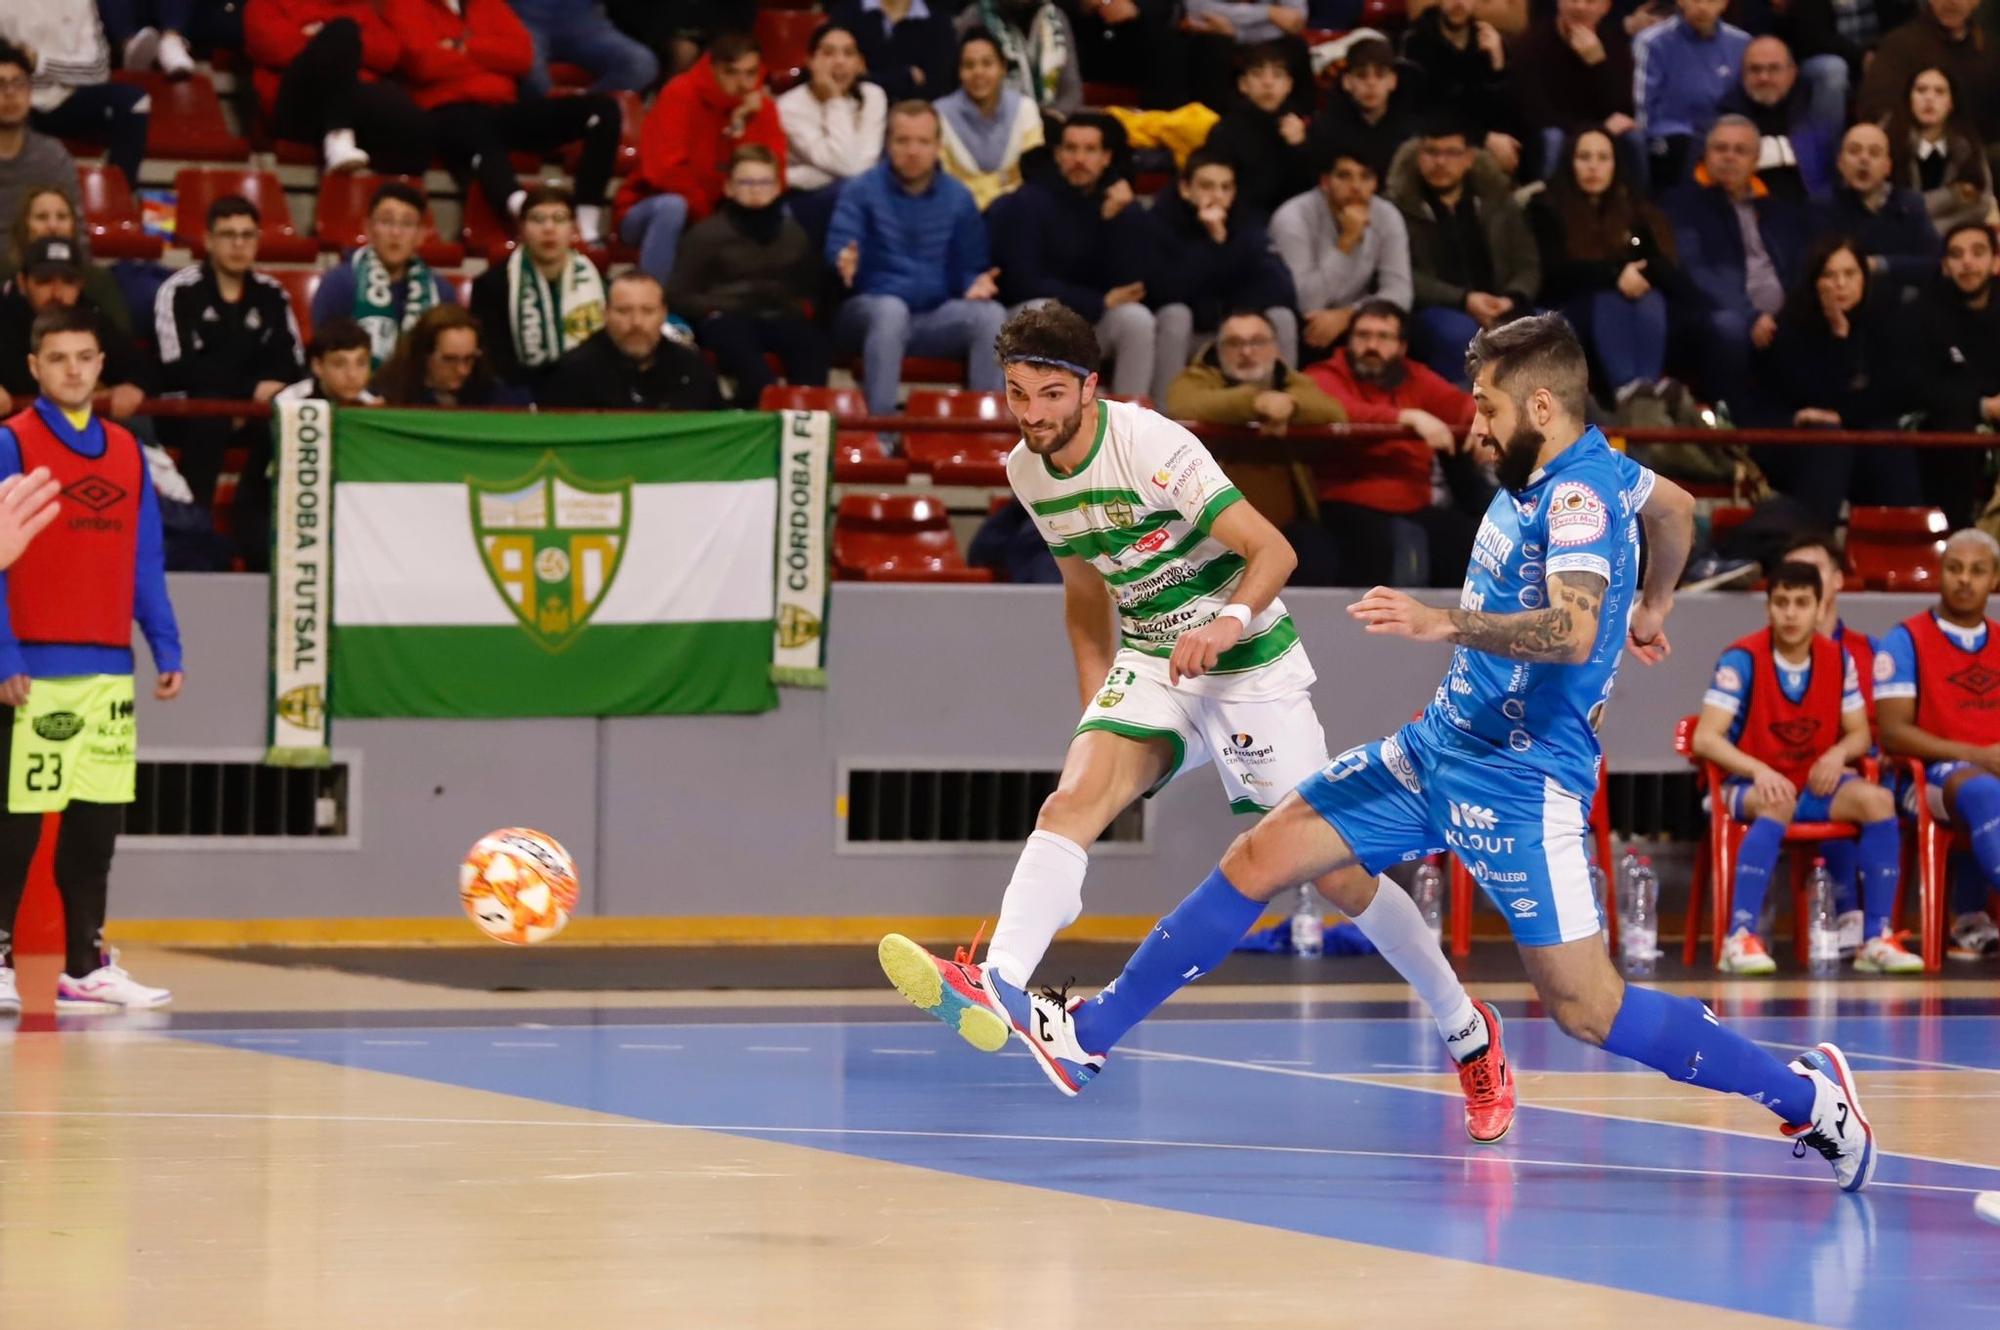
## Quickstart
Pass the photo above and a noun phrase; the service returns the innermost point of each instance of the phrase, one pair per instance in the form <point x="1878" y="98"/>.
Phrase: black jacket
<point x="597" y="375"/>
<point x="1212" y="280"/>
<point x="1959" y="360"/>
<point x="210" y="347"/>
<point x="1463" y="80"/>
<point x="1901" y="234"/>
<point x="1864" y="376"/>
<point x="1051" y="240"/>
<point x="122" y="361"/>
<point x="1268" y="169"/>
<point x="1339" y="123"/>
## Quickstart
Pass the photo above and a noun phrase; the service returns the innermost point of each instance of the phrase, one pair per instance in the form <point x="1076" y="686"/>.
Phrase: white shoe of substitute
<point x="1886" y="954"/>
<point x="1743" y="953"/>
<point x="10" y="992"/>
<point x="107" y="988"/>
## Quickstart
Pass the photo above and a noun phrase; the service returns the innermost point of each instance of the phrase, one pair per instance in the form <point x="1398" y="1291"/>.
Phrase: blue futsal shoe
<point x="1044" y="1022"/>
<point x="1836" y="1129"/>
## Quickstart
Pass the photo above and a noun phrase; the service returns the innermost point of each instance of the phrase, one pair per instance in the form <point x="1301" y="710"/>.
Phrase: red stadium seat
<point x="299" y="284"/>
<point x="111" y="216"/>
<point x="187" y="122"/>
<point x="341" y="221"/>
<point x="565" y="75"/>
<point x="1725" y="519"/>
<point x="461" y="286"/>
<point x="783" y="35"/>
<point x="196" y="189"/>
<point x="1932" y="849"/>
<point x="859" y="456"/>
<point x="961" y="459"/>
<point x="1903" y="543"/>
<point x="1385" y="15"/>
<point x="898" y="538"/>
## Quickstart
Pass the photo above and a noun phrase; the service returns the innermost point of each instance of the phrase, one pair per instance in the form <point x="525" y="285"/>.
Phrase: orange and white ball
<point x="518" y="885"/>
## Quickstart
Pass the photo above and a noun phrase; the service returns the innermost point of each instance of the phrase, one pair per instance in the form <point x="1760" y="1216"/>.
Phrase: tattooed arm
<point x="1565" y="633"/>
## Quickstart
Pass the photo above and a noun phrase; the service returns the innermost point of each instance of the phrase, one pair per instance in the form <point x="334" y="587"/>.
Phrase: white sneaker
<point x="1837" y="1129"/>
<point x="10" y="992"/>
<point x="1851" y="922"/>
<point x="590" y="223"/>
<point x="1886" y="954"/>
<point x="142" y="50"/>
<point x="342" y="153"/>
<point x="105" y="988"/>
<point x="1743" y="953"/>
<point x="1973" y="937"/>
<point x="176" y="61"/>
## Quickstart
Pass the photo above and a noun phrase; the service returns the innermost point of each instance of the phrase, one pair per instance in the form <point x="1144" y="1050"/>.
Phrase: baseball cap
<point x="53" y="256"/>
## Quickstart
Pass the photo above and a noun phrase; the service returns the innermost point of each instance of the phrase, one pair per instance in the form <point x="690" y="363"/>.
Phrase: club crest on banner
<point x="552" y="544"/>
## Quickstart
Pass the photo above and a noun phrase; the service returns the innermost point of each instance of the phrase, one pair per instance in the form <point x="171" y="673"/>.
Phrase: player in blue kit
<point x="1499" y="768"/>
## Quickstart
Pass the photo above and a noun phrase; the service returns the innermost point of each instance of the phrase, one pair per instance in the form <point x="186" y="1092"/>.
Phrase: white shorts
<point x="1261" y="746"/>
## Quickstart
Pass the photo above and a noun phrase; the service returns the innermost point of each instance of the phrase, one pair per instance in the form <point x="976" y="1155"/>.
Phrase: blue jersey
<point x="1729" y="688"/>
<point x="1577" y="514"/>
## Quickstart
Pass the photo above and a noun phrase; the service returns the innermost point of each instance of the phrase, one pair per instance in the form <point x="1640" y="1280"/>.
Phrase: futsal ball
<point x="518" y="885"/>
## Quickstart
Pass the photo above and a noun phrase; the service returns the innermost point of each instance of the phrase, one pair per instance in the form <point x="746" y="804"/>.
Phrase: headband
<point x="1052" y="363"/>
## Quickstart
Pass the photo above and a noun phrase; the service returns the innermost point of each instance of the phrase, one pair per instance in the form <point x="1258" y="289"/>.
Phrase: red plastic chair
<point x="1934" y="843"/>
<point x="1715" y="863"/>
<point x="783" y="36"/>
<point x="898" y="538"/>
<point x="340" y="223"/>
<point x="461" y="287"/>
<point x="1725" y="519"/>
<point x="1464" y="888"/>
<point x="187" y="123"/>
<point x="1903" y="544"/>
<point x="197" y="189"/>
<point x="961" y="459"/>
<point x="299" y="284"/>
<point x="859" y="456"/>
<point x="111" y="216"/>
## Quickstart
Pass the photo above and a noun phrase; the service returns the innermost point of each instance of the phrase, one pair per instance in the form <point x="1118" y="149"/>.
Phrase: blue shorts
<point x="1935" y="775"/>
<point x="1811" y="807"/>
<point x="1519" y="833"/>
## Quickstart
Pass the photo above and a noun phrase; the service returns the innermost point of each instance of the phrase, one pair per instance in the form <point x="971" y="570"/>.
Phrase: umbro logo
<point x="95" y="493"/>
<point x="1523" y="906"/>
<point x="1798" y="733"/>
<point x="1975" y="679"/>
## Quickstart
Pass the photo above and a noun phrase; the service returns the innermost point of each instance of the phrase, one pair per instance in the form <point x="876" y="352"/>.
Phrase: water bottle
<point x="1822" y="924"/>
<point x="1428" y="892"/>
<point x="1308" y="927"/>
<point x="1639" y="919"/>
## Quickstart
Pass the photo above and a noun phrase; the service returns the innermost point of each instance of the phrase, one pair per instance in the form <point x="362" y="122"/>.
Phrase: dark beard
<point x="1063" y="437"/>
<point x="1517" y="458"/>
<point x="1383" y="373"/>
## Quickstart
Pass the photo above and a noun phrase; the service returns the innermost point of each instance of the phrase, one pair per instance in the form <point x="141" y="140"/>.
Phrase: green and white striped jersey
<point x="1140" y="509"/>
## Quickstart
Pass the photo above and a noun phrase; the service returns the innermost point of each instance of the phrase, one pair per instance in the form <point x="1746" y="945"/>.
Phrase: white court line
<point x="776" y="1048"/>
<point x="661" y="1048"/>
<point x="267" y="1039"/>
<point x="905" y="1052"/>
<point x="1234" y="1147"/>
<point x="1282" y="1062"/>
<point x="397" y="1043"/>
<point x="525" y="1043"/>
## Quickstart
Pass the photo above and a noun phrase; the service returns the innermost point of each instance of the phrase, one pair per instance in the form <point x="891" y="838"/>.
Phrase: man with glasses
<point x="384" y="286"/>
<point x="1242" y="380"/>
<point x="743" y="279"/>
<point x="545" y="299"/>
<point x="28" y="160"/>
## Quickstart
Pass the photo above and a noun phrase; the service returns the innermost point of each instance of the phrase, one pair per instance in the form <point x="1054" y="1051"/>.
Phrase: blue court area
<point x="1265" y="1120"/>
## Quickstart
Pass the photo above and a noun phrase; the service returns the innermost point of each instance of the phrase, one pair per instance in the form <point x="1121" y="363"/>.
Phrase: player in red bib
<point x="1784" y="716"/>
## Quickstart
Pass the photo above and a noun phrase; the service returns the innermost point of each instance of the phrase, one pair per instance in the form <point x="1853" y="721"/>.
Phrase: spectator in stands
<point x="384" y="285"/>
<point x="1607" y="264"/>
<point x="1942" y="36"/>
<point x="630" y="363"/>
<point x="1832" y="40"/>
<point x="1740" y="246"/>
<point x="52" y="277"/>
<point x="833" y="126"/>
<point x="1572" y="70"/>
<point x="1376" y="497"/>
<point x="1366" y="111"/>
<point x="442" y="362"/>
<point x="1890" y="223"/>
<point x="700" y="118"/>
<point x="1840" y="361"/>
<point x="1261" y="136"/>
<point x="578" y="32"/>
<point x="1957" y="367"/>
<point x="1464" y="62"/>
<point x="1937" y="156"/>
<point x="151" y="34"/>
<point x="1784" y="718"/>
<point x="908" y="241"/>
<point x="1242" y="379"/>
<point x="986" y="124"/>
<point x="1795" y="153"/>
<point x="745" y="280"/>
<point x="1473" y="259"/>
<point x="1068" y="239"/>
<point x="1682" y="69"/>
<point x="677" y="30"/>
<point x="461" y="62"/>
<point x="73" y="95"/>
<point x="1136" y="42"/>
<point x="1218" y="30"/>
<point x="223" y="331"/>
<point x="28" y="159"/>
<point x="339" y="365"/>
<point x="1210" y="258"/>
<point x="47" y="211"/>
<point x="545" y="299"/>
<point x="910" y="49"/>
<point x="1039" y="45"/>
<point x="1343" y="243"/>
<point x="325" y="74"/>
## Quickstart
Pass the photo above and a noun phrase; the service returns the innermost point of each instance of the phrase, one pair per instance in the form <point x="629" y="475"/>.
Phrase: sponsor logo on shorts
<point x="1474" y="817"/>
<point x="1576" y="515"/>
<point x="59" y="725"/>
<point x="1110" y="697"/>
<point x="1400" y="766"/>
<point x="1476" y="842"/>
<point x="1523" y="907"/>
<point x="1485" y="872"/>
<point x="1349" y="762"/>
<point x="1245" y="749"/>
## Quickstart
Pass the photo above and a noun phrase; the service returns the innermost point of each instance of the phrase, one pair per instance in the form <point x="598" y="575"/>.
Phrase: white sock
<point x="514" y="202"/>
<point x="590" y="222"/>
<point x="1396" y="926"/>
<point x="1044" y="897"/>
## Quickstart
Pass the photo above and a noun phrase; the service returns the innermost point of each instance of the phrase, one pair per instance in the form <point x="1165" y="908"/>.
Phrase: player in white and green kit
<point x="1202" y="666"/>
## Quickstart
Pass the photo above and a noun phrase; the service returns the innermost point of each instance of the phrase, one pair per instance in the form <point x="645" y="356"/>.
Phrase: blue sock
<point x="1968" y="883"/>
<point x="1755" y="859"/>
<point x="1881" y="854"/>
<point x="1679" y="1037"/>
<point x="1182" y="947"/>
<point x="1979" y="813"/>
<point x="1840" y="860"/>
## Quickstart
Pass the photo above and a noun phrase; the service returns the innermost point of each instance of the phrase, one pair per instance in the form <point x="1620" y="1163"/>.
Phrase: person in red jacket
<point x="701" y="118"/>
<point x="1375" y="498"/>
<point x="320" y="71"/>
<point x="461" y="60"/>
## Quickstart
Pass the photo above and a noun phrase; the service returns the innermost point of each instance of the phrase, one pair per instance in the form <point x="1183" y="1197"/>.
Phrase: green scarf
<point x="1036" y="60"/>
<point x="549" y="320"/>
<point x="375" y="300"/>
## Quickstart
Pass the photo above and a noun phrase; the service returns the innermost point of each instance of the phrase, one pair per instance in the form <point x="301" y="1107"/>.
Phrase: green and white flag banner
<point x="798" y="655"/>
<point x="301" y="585"/>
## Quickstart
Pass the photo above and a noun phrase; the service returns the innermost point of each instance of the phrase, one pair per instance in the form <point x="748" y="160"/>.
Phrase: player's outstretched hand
<point x="1646" y="634"/>
<point x="27" y="504"/>
<point x="1197" y="650"/>
<point x="1387" y="610"/>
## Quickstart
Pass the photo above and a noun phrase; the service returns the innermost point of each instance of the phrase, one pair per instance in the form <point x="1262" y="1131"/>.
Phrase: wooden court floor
<point x="310" y="1149"/>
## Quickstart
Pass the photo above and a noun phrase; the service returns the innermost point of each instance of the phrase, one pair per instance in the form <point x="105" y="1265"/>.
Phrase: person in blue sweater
<point x="1681" y="71"/>
<point x="907" y="240"/>
<point x="1890" y="222"/>
<point x="67" y="607"/>
<point x="579" y="32"/>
